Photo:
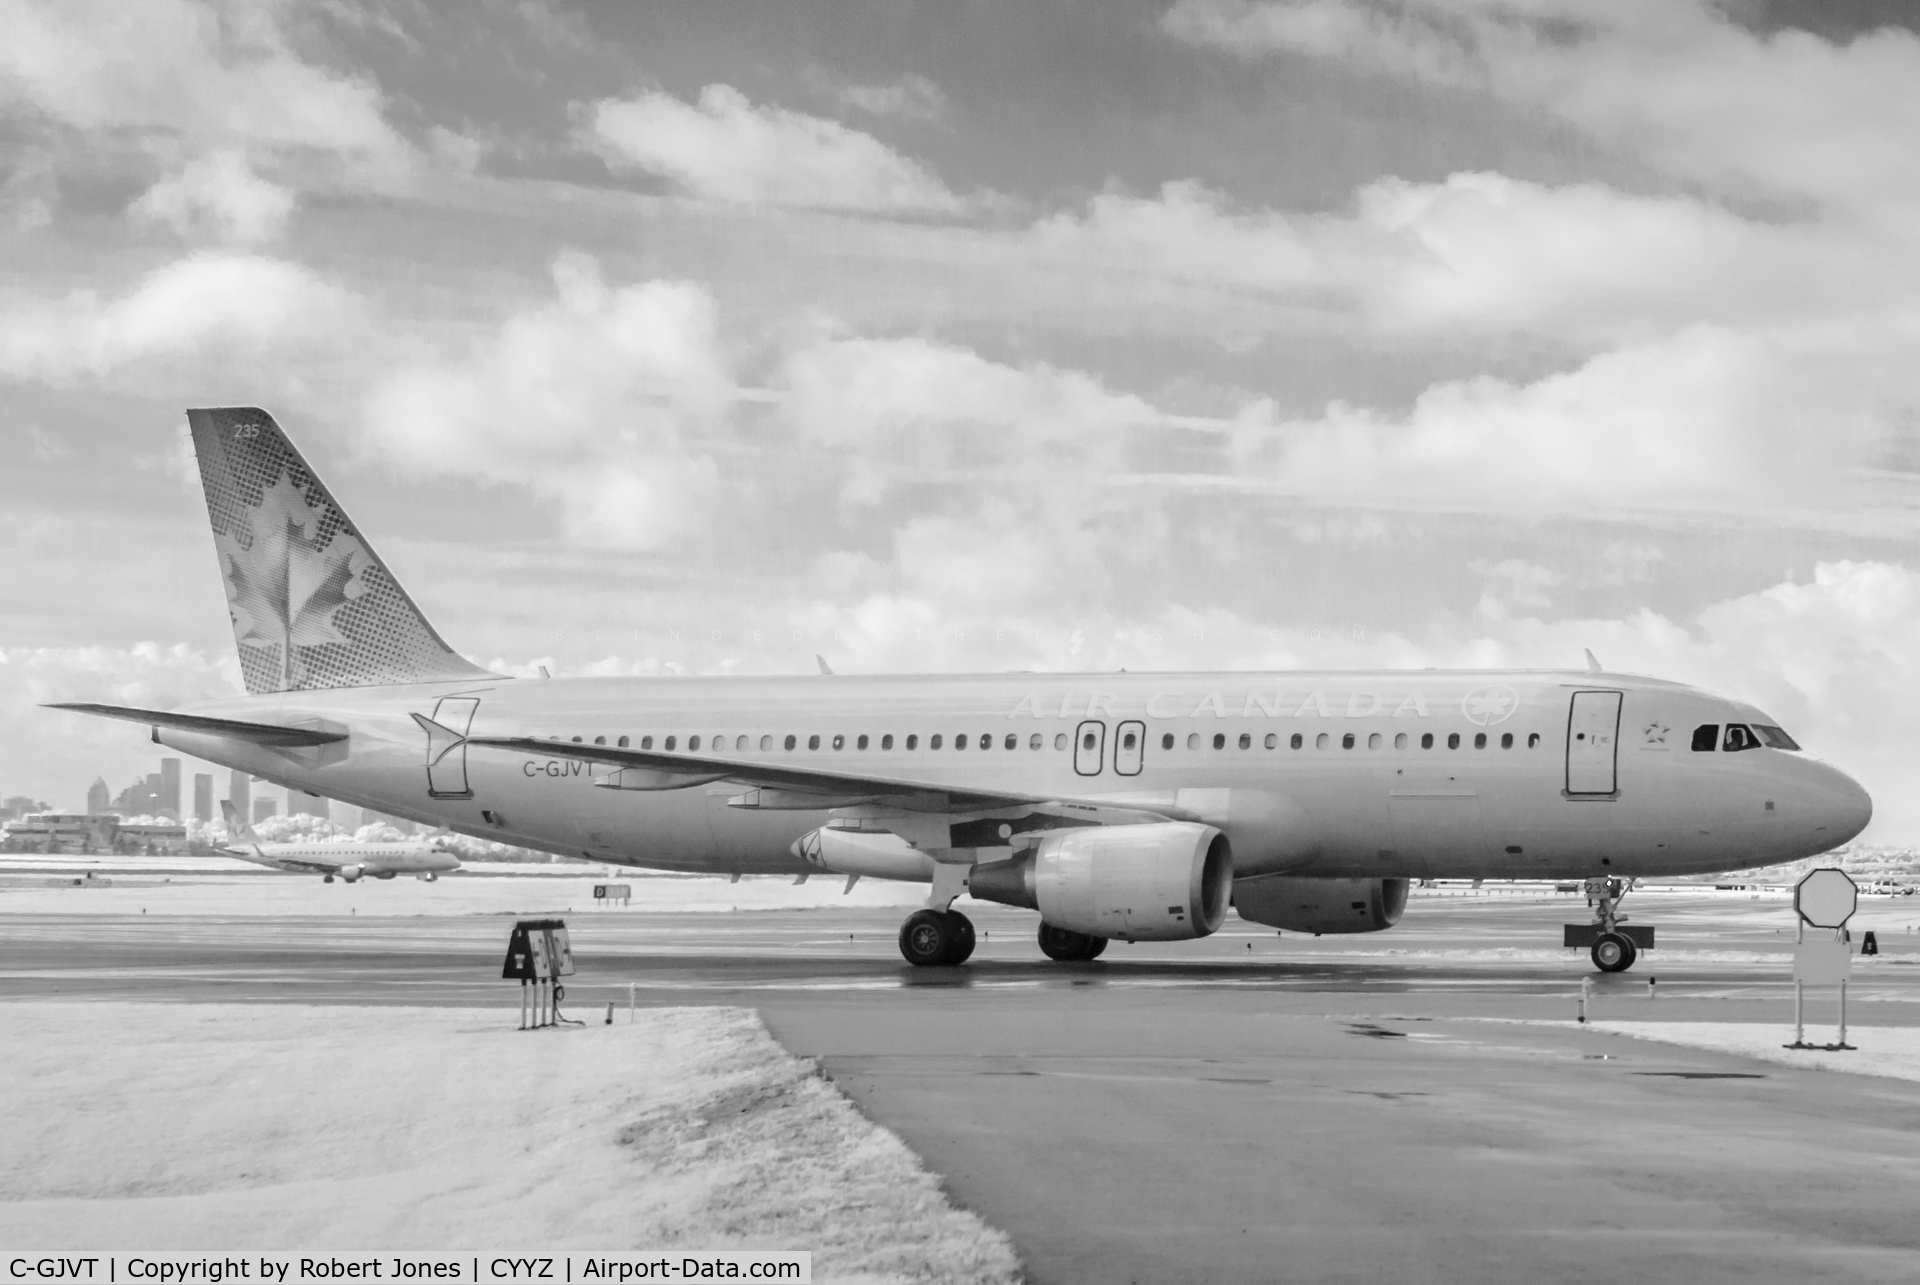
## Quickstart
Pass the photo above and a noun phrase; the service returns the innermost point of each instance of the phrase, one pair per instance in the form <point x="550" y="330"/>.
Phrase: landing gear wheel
<point x="931" y="938"/>
<point x="1614" y="952"/>
<point x="327" y="879"/>
<point x="964" y="950"/>
<point x="1067" y="946"/>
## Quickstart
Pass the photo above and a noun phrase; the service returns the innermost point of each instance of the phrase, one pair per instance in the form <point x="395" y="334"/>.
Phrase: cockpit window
<point x="1705" y="737"/>
<point x="1773" y="738"/>
<point x="1739" y="737"/>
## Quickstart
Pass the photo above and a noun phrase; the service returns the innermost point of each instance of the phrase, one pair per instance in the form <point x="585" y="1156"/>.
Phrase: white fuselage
<point x="373" y="860"/>
<point x="1387" y="779"/>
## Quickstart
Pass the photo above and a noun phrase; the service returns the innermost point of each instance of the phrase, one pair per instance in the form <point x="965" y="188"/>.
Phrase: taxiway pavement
<point x="1413" y="1106"/>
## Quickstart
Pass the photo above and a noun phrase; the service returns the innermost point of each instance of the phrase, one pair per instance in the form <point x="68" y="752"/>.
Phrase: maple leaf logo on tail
<point x="285" y="589"/>
<point x="312" y="605"/>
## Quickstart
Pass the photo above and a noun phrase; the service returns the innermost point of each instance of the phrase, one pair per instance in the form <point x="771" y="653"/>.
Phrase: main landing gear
<point x="936" y="937"/>
<point x="1069" y="947"/>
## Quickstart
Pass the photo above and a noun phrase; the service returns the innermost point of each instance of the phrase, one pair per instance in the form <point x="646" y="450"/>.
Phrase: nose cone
<point x="1842" y="807"/>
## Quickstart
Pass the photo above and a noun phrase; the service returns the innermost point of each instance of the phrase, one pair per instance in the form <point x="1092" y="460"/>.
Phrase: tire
<point x="1613" y="952"/>
<point x="929" y="938"/>
<point x="327" y="879"/>
<point x="963" y="948"/>
<point x="1067" y="946"/>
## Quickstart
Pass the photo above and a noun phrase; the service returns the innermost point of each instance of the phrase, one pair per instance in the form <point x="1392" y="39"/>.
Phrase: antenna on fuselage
<point x="1593" y="662"/>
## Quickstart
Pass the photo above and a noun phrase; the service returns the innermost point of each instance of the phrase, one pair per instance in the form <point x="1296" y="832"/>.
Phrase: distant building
<point x="300" y="803"/>
<point x="345" y="815"/>
<point x="142" y="798"/>
<point x="99" y="797"/>
<point x="62" y="832"/>
<point x="19" y="805"/>
<point x="170" y="788"/>
<point x="202" y="796"/>
<point x="262" y="809"/>
<point x="240" y="793"/>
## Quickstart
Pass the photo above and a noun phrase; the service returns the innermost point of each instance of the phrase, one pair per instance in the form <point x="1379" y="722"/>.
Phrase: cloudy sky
<point x="999" y="335"/>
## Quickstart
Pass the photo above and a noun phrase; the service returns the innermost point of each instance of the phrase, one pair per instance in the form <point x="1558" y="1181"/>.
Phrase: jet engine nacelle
<point x="1321" y="905"/>
<point x="1169" y="881"/>
<point x="351" y="873"/>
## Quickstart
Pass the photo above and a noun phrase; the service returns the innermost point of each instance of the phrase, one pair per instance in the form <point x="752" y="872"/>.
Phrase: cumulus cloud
<point x="235" y="303"/>
<point x="911" y="98"/>
<point x="210" y="73"/>
<point x="1673" y="81"/>
<point x="219" y="194"/>
<point x="599" y="401"/>
<point x="726" y="148"/>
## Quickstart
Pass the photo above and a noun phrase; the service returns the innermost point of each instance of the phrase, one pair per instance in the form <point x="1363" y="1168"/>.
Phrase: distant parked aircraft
<point x="350" y="861"/>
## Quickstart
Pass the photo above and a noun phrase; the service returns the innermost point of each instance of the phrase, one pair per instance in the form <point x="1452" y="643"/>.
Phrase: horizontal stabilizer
<point x="268" y="734"/>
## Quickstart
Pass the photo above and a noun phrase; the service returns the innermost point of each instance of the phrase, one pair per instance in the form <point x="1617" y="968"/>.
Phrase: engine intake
<point x="1321" y="905"/>
<point x="1169" y="881"/>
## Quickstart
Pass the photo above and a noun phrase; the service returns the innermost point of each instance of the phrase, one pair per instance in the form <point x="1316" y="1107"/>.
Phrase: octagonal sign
<point x="1826" y="898"/>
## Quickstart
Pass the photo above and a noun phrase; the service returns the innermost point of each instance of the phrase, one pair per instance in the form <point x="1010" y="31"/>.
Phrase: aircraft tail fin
<point x="313" y="605"/>
<point x="238" y="829"/>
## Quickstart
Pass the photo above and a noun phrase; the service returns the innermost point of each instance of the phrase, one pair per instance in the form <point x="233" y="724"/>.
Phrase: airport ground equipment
<point x="539" y="954"/>
<point x="1824" y="900"/>
<point x="1613" y="944"/>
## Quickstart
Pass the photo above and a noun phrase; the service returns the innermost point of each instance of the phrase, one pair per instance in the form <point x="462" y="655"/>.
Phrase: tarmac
<point x="1417" y="1105"/>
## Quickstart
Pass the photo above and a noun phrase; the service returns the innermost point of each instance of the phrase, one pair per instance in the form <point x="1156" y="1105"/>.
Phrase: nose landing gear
<point x="1612" y="946"/>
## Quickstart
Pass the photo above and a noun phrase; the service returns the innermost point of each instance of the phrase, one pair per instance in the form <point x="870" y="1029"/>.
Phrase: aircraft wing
<point x="781" y="786"/>
<point x="270" y="734"/>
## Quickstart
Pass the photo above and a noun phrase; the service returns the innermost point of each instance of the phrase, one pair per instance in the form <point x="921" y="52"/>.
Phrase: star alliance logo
<point x="1655" y="734"/>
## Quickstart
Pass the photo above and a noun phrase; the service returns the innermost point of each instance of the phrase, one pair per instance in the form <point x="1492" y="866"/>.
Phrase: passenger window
<point x="913" y="742"/>
<point x="959" y="742"/>
<point x="1273" y="741"/>
<point x="1322" y="741"/>
<point x="791" y="742"/>
<point x="1035" y="741"/>
<point x="933" y="742"/>
<point x="766" y="742"/>
<point x="693" y="743"/>
<point x="1219" y="740"/>
<point x="1296" y="740"/>
<point x="1739" y="737"/>
<point x="1533" y="739"/>
<point x="1705" y="737"/>
<point x="1166" y="741"/>
<point x="1399" y="740"/>
<point x="576" y="740"/>
<point x="1088" y="741"/>
<point x="646" y="742"/>
<point x="840" y="741"/>
<point x="1246" y="741"/>
<point x="1193" y="740"/>
<point x="861" y="744"/>
<point x="813" y="742"/>
<point x="1059" y="740"/>
<point x="1479" y="740"/>
<point x="671" y="741"/>
<point x="1128" y="741"/>
<point x="886" y="742"/>
<point x="1506" y="740"/>
<point x="1013" y="741"/>
<point x="623" y="742"/>
<point x="1346" y="741"/>
<point x="1453" y="740"/>
<point x="1373" y="741"/>
<point x="599" y="740"/>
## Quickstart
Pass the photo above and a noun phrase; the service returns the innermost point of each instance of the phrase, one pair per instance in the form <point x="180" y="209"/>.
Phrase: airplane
<point x="350" y="861"/>
<point x="1130" y="806"/>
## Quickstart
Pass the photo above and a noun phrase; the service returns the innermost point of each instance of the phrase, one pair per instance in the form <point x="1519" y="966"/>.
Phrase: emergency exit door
<point x="1129" y="747"/>
<point x="1089" y="747"/>
<point x="1593" y="743"/>
<point x="447" y="755"/>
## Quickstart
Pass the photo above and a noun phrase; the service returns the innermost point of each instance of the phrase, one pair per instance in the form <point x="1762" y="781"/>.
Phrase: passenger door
<point x="1129" y="747"/>
<point x="1089" y="747"/>
<point x="447" y="759"/>
<point x="1593" y="741"/>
